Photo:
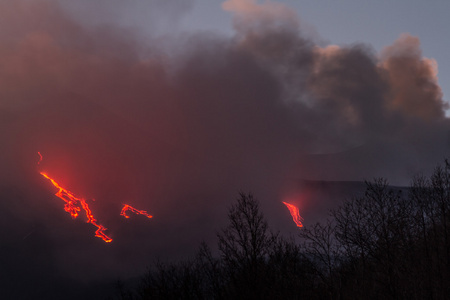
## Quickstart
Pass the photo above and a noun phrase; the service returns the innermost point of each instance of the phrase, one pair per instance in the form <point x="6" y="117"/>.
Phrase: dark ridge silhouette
<point x="388" y="242"/>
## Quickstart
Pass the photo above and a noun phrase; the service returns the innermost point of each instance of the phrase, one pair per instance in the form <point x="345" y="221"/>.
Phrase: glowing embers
<point x="136" y="211"/>
<point x="295" y="214"/>
<point x="72" y="206"/>
<point x="40" y="158"/>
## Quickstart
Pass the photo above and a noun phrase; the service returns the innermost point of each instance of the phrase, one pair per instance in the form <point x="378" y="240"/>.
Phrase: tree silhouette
<point x="245" y="245"/>
<point x="385" y="244"/>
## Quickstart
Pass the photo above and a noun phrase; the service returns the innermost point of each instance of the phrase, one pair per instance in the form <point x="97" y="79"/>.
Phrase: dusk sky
<point x="344" y="22"/>
<point x="174" y="107"/>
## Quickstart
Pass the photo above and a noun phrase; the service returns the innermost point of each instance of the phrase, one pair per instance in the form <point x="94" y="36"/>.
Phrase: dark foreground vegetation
<point x="383" y="245"/>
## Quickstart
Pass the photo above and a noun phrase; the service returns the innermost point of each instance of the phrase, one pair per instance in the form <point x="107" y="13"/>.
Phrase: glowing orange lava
<point x="295" y="214"/>
<point x="72" y="206"/>
<point x="136" y="211"/>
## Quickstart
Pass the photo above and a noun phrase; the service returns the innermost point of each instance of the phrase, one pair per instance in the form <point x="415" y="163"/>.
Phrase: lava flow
<point x="72" y="206"/>
<point x="295" y="214"/>
<point x="136" y="211"/>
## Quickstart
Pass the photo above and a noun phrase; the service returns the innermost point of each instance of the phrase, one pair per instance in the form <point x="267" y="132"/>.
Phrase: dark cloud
<point x="180" y="131"/>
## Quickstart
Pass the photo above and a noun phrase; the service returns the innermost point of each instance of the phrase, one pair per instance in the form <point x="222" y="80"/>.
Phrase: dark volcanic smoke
<point x="178" y="125"/>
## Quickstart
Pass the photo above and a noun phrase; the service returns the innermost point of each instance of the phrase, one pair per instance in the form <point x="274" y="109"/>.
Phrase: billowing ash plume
<point x="178" y="126"/>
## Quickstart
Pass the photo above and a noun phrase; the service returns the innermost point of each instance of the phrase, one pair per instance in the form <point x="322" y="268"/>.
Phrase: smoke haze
<point x="178" y="124"/>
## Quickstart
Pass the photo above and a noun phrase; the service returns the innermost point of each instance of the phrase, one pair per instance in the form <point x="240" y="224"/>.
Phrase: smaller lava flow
<point x="295" y="214"/>
<point x="136" y="211"/>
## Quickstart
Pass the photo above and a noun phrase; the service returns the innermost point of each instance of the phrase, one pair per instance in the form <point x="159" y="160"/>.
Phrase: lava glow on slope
<point x="136" y="211"/>
<point x="72" y="206"/>
<point x="295" y="214"/>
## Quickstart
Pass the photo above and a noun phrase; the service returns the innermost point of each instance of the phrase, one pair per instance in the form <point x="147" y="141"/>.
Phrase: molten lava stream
<point x="295" y="214"/>
<point x="72" y="206"/>
<point x="136" y="211"/>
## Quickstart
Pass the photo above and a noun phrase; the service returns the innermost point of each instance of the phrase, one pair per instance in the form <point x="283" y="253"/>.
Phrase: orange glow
<point x="72" y="206"/>
<point x="295" y="214"/>
<point x="136" y="211"/>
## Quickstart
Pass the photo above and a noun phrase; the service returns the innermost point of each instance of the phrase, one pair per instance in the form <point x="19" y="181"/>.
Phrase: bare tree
<point x="323" y="249"/>
<point x="245" y="245"/>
